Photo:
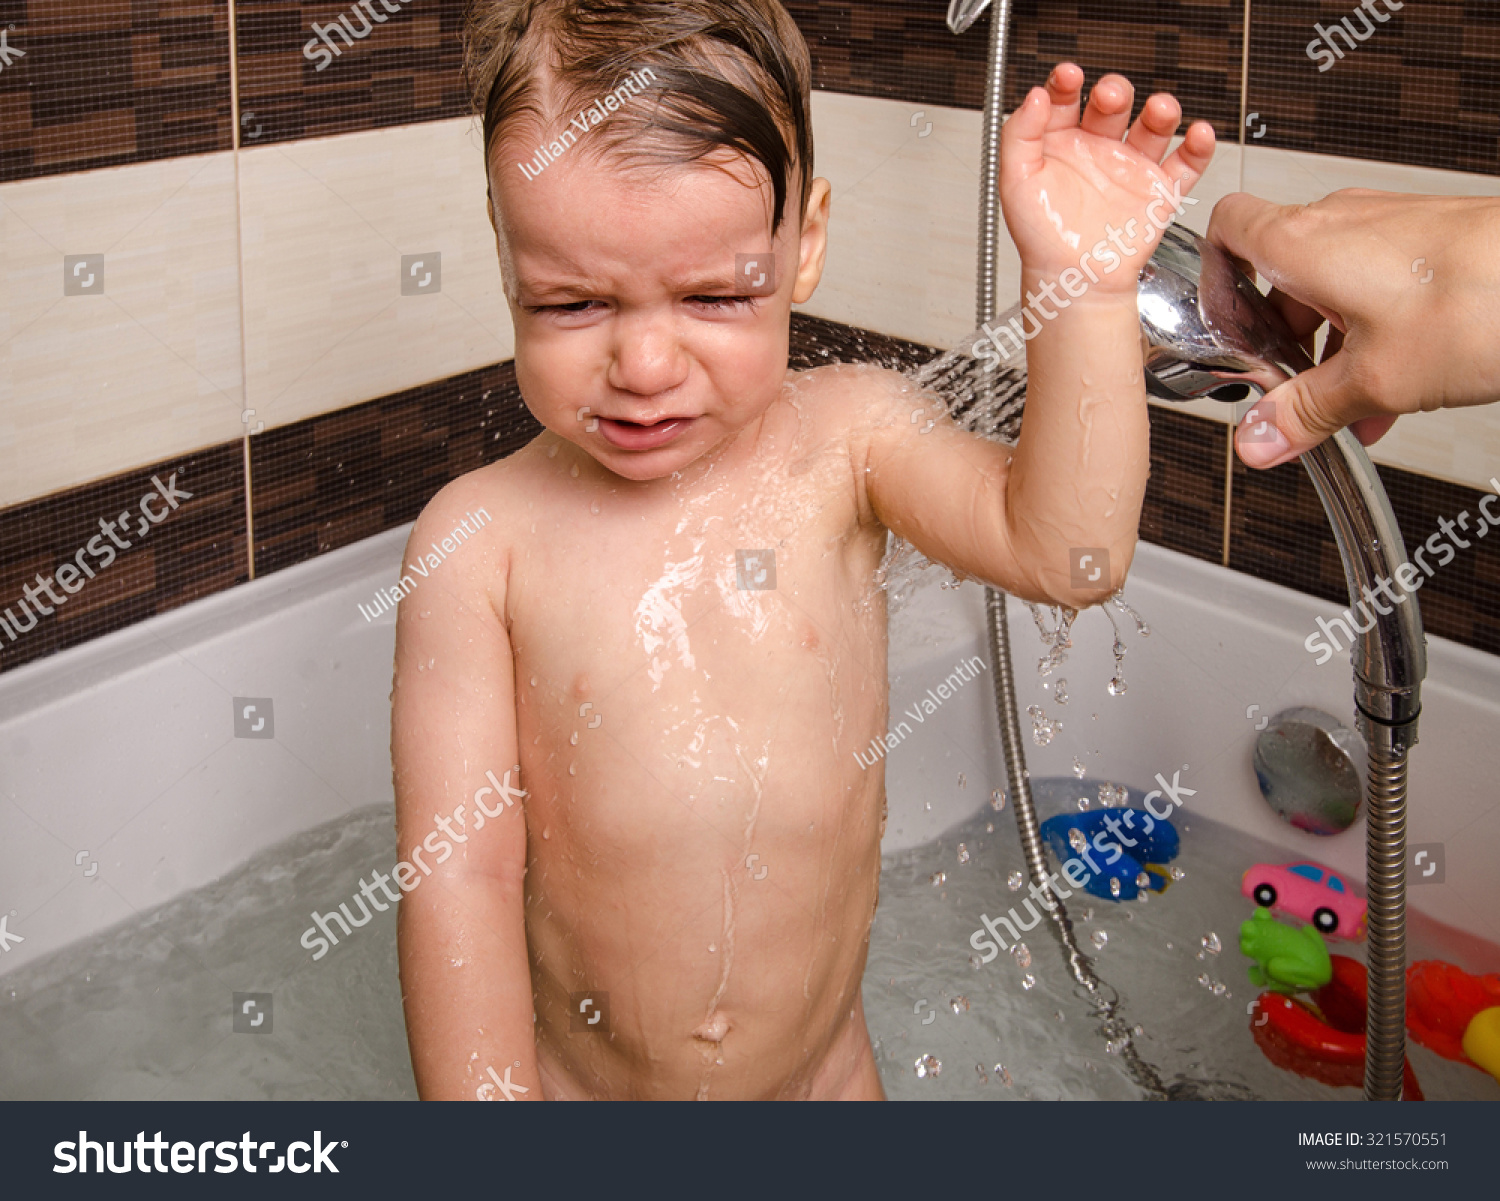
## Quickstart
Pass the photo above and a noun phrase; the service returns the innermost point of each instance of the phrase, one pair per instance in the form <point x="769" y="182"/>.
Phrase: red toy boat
<point x="1441" y="1001"/>
<point x="1324" y="1041"/>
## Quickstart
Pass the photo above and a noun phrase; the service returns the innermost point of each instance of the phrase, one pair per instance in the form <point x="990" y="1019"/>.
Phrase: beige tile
<point x="326" y="223"/>
<point x="1461" y="445"/>
<point x="91" y="385"/>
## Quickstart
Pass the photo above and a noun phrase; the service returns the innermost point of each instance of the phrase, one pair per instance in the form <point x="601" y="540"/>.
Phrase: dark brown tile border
<point x="110" y="82"/>
<point x="1279" y="533"/>
<point x="335" y="479"/>
<point x="197" y="549"/>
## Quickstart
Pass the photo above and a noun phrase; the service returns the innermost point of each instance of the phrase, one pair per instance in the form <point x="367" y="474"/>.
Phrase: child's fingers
<point x="1190" y="160"/>
<point x="1065" y="91"/>
<point x="1108" y="111"/>
<point x="1022" y="134"/>
<point x="1153" y="129"/>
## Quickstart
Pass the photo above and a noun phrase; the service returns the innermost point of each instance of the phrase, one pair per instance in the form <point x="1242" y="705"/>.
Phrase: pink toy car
<point x="1310" y="892"/>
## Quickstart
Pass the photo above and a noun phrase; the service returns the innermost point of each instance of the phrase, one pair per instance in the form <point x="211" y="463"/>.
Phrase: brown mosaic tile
<point x="1420" y="87"/>
<point x="332" y="480"/>
<point x="1280" y="533"/>
<point x="1184" y="506"/>
<point x="101" y="83"/>
<point x="196" y="549"/>
<point x="903" y="50"/>
<point x="328" y="66"/>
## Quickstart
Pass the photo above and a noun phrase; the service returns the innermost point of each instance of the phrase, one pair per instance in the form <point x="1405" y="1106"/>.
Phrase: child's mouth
<point x="631" y="435"/>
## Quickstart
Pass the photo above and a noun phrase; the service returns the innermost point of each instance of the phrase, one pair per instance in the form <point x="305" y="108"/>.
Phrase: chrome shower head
<point x="1208" y="330"/>
<point x="963" y="13"/>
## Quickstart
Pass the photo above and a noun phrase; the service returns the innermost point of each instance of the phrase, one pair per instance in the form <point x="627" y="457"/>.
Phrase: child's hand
<point x="1075" y="196"/>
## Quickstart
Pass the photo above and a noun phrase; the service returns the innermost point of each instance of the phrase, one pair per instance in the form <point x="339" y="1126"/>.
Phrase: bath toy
<point x="1482" y="1040"/>
<point x="1322" y="1038"/>
<point x="1120" y="850"/>
<point x="1286" y="960"/>
<point x="1310" y="892"/>
<point x="1442" y="1002"/>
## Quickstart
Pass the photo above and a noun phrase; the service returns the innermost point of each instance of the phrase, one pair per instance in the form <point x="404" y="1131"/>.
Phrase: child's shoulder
<point x="854" y="390"/>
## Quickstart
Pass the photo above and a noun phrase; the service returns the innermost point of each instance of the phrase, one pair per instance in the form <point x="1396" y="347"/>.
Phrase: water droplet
<point x="989" y="827"/>
<point x="1060" y="691"/>
<point x="573" y="471"/>
<point x="572" y="769"/>
<point x="1083" y="807"/>
<point x="975" y="962"/>
<point x="983" y="1079"/>
<point x="927" y="807"/>
<point x="552" y="450"/>
<point x="1142" y="880"/>
<point x="1113" y="795"/>
<point x="546" y="832"/>
<point x="937" y="878"/>
<point x="1043" y="728"/>
<point x="1211" y="943"/>
<point x="928" y="1065"/>
<point x="1100" y="939"/>
<point x="573" y="741"/>
<point x="1028" y="982"/>
<point x="997" y="800"/>
<point x="533" y="681"/>
<point x="1078" y="767"/>
<point x="594" y="508"/>
<point x="962" y="781"/>
<point x="1022" y="955"/>
<point x="1003" y="1073"/>
<point x="1177" y="873"/>
<point x="1014" y="881"/>
<point x="1114" y="886"/>
<point x="1076" y="839"/>
<point x="1117" y="685"/>
<point x="959" y="1005"/>
<point x="963" y="853"/>
<point x="713" y="948"/>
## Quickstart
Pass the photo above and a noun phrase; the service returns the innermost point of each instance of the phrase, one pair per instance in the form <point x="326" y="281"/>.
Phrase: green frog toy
<point x="1286" y="960"/>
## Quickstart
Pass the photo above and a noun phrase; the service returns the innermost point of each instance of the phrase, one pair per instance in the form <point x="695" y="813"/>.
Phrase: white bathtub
<point x="122" y="783"/>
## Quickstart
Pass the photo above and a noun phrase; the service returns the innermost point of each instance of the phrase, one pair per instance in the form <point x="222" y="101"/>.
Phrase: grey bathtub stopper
<point x="1311" y="770"/>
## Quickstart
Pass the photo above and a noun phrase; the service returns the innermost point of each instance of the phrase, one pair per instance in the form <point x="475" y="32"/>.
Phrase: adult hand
<point x="1411" y="286"/>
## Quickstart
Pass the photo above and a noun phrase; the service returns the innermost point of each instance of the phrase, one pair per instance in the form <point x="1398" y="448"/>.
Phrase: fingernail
<point x="1260" y="443"/>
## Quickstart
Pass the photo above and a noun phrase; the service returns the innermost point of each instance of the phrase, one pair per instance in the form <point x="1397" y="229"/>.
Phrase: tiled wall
<point x="250" y="246"/>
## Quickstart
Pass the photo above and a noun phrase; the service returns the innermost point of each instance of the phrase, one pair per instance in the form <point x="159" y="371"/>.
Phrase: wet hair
<point x="727" y="74"/>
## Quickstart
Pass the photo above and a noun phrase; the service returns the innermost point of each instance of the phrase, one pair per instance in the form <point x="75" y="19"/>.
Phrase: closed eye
<point x="723" y="302"/>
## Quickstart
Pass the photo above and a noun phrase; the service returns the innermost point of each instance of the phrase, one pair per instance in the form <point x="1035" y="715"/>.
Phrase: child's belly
<point x="704" y="849"/>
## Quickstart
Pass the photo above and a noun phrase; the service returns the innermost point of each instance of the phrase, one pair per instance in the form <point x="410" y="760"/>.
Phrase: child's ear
<point x="813" y="243"/>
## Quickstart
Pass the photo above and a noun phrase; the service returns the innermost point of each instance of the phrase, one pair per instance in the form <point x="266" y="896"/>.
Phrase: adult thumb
<point x="1294" y="417"/>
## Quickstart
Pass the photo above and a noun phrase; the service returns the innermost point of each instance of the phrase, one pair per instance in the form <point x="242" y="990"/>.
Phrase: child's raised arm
<point x="465" y="977"/>
<point x="1086" y="210"/>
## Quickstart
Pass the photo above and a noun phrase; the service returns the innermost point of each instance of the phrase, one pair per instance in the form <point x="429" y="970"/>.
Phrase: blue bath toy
<point x="1099" y="842"/>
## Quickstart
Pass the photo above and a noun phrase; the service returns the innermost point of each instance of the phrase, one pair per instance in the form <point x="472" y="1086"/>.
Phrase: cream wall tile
<point x="1461" y="445"/>
<point x="94" y="384"/>
<point x="326" y="223"/>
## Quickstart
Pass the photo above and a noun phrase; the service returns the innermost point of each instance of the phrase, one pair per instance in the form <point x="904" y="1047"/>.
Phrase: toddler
<point x="669" y="634"/>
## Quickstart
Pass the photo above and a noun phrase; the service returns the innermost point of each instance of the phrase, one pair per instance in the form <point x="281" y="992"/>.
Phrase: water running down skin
<point x="630" y="874"/>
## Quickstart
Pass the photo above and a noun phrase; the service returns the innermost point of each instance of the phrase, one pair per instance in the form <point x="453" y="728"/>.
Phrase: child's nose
<point x="647" y="356"/>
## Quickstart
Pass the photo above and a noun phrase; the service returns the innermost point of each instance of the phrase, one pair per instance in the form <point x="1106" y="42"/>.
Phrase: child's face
<point x="634" y="339"/>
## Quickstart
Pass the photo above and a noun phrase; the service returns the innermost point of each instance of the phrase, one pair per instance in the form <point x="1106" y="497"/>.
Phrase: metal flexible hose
<point x="1385" y="883"/>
